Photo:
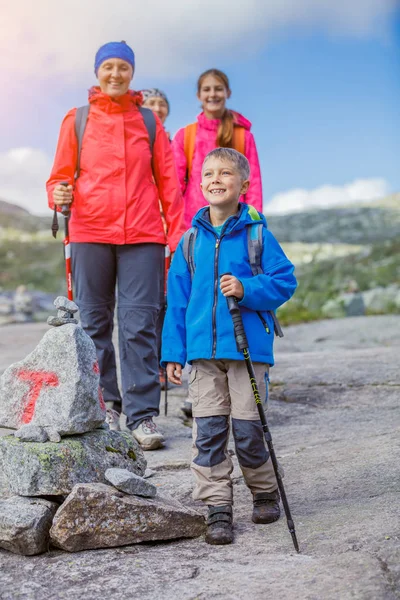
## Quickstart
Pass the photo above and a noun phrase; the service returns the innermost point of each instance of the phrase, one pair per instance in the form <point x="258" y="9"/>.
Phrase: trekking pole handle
<point x="65" y="210"/>
<point x="240" y="334"/>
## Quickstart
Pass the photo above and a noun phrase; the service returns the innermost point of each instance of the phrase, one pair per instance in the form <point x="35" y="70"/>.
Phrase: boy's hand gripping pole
<point x="243" y="346"/>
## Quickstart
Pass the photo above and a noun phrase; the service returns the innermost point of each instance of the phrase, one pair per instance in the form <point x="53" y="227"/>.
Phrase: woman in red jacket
<point x="117" y="235"/>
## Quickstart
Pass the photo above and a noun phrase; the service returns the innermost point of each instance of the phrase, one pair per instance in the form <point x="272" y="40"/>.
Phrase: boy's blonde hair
<point x="233" y="156"/>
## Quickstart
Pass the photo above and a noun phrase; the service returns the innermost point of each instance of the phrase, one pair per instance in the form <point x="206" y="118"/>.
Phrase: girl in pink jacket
<point x="216" y="126"/>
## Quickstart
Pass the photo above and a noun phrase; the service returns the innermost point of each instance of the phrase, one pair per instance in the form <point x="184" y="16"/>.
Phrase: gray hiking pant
<point x="136" y="270"/>
<point x="220" y="389"/>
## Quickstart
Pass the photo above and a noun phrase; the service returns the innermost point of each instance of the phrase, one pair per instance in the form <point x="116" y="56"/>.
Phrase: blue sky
<point x="324" y="102"/>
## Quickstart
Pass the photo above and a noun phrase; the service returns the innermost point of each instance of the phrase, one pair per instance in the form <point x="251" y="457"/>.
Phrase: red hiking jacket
<point x="116" y="198"/>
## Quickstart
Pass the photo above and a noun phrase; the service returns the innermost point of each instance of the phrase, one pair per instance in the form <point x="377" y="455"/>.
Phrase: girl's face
<point x="158" y="106"/>
<point x="115" y="76"/>
<point x="213" y="96"/>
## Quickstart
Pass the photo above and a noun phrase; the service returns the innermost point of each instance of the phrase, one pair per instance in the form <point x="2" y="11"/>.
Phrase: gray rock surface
<point x="25" y="524"/>
<point x="97" y="516"/>
<point x="56" y="385"/>
<point x="338" y="443"/>
<point x="64" y="305"/>
<point x="60" y="320"/>
<point x="128" y="482"/>
<point x="36" y="469"/>
<point x="32" y="433"/>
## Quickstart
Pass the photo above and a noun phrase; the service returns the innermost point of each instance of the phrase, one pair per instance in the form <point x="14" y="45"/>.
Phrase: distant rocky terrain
<point x="337" y="251"/>
<point x="368" y="223"/>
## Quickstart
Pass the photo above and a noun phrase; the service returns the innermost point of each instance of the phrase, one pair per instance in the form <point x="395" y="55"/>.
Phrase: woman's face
<point x="115" y="76"/>
<point x="213" y="96"/>
<point x="158" y="106"/>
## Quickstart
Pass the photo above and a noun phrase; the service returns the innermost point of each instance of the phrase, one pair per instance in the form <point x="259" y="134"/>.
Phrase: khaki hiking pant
<point x="219" y="389"/>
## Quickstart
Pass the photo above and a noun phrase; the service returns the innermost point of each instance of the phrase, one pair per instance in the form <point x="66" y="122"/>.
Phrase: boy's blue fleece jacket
<point x="197" y="323"/>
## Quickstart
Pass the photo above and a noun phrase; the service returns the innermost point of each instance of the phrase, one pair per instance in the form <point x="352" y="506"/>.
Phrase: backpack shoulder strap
<point x="189" y="240"/>
<point x="255" y="246"/>
<point x="81" y="117"/>
<point x="150" y="122"/>
<point x="189" y="141"/>
<point x="238" y="139"/>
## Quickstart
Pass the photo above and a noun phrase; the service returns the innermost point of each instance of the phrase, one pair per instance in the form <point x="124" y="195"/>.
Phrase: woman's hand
<point x="231" y="286"/>
<point x="174" y="373"/>
<point x="63" y="194"/>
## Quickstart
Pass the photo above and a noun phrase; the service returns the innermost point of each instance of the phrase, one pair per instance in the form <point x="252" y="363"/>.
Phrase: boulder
<point x="25" y="524"/>
<point x="128" y="482"/>
<point x="52" y="469"/>
<point x="57" y="385"/>
<point x="344" y="305"/>
<point x="98" y="516"/>
<point x="382" y="300"/>
<point x="32" y="433"/>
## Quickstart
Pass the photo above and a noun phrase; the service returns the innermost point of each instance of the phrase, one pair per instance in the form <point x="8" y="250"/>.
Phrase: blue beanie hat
<point x="114" y="50"/>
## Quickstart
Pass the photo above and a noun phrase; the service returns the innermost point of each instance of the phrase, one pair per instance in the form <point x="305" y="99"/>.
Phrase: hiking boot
<point x="148" y="435"/>
<point x="112" y="419"/>
<point x="266" y="507"/>
<point x="186" y="408"/>
<point x="219" y="525"/>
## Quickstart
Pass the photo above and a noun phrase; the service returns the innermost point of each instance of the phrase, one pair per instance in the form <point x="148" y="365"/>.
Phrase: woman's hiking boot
<point x="148" y="436"/>
<point x="112" y="419"/>
<point x="266" y="507"/>
<point x="219" y="525"/>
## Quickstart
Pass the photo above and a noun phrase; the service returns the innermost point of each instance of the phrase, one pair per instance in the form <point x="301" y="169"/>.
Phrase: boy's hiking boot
<point x="266" y="507"/>
<point x="148" y="435"/>
<point x="219" y="525"/>
<point x="112" y="419"/>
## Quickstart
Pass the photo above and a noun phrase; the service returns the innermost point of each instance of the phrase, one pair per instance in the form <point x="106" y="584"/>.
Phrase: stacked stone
<point x="55" y="466"/>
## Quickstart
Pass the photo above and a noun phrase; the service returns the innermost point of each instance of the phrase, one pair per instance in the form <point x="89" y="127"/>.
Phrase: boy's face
<point x="221" y="183"/>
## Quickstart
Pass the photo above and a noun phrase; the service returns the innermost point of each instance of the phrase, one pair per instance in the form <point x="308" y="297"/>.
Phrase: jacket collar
<point x="246" y="215"/>
<point x="107" y="104"/>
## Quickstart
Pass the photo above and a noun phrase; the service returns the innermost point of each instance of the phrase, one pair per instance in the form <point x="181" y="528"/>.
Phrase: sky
<point x="320" y="81"/>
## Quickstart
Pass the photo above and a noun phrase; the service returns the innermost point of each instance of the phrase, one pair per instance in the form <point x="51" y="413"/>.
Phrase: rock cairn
<point x="55" y="467"/>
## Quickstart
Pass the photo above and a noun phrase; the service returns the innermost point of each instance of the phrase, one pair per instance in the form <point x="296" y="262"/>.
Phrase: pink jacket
<point x="205" y="142"/>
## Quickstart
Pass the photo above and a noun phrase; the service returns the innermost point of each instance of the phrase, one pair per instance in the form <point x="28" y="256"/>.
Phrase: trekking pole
<point x="166" y="394"/>
<point x="65" y="211"/>
<point x="167" y="260"/>
<point x="243" y="346"/>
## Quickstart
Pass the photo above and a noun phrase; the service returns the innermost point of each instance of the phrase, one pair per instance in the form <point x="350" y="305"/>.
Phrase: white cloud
<point x="23" y="173"/>
<point x="172" y="38"/>
<point x="326" y="196"/>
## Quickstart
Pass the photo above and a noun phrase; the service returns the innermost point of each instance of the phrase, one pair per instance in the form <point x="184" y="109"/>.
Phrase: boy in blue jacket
<point x="198" y="329"/>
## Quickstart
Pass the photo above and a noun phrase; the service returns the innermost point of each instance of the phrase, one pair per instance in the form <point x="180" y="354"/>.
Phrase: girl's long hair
<point x="225" y="129"/>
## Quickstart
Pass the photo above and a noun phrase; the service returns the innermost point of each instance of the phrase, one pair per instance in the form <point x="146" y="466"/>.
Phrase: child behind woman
<point x="216" y="126"/>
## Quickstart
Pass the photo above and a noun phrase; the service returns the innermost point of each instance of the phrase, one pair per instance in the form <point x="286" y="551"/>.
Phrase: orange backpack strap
<point x="238" y="139"/>
<point x="188" y="147"/>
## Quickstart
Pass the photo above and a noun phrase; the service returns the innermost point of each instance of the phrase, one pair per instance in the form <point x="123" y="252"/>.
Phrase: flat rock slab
<point x="52" y="469"/>
<point x="25" y="524"/>
<point x="98" y="516"/>
<point x="56" y="385"/>
<point x="129" y="483"/>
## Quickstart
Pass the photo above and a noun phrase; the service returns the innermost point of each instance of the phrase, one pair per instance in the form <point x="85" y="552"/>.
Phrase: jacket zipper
<point x="264" y="322"/>
<point x="214" y="310"/>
